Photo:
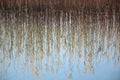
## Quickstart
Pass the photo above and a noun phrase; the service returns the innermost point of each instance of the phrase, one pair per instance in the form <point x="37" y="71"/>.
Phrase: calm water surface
<point x="60" y="47"/>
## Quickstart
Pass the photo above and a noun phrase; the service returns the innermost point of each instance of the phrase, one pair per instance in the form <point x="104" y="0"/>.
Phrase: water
<point x="59" y="45"/>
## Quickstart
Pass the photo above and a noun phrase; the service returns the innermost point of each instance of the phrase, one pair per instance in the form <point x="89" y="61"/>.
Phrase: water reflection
<point x="60" y="44"/>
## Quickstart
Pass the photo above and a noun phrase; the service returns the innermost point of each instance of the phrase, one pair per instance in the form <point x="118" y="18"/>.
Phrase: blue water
<point x="62" y="52"/>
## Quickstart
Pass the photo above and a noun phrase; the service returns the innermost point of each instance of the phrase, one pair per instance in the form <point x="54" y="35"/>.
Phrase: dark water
<point x="60" y="46"/>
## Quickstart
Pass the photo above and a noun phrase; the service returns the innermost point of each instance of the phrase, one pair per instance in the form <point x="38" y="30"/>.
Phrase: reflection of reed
<point x="56" y="38"/>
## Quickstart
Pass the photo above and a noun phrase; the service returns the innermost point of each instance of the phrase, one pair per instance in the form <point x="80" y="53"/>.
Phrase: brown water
<point x="59" y="45"/>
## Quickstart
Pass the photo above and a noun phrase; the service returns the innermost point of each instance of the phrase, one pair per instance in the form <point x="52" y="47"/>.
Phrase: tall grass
<point x="57" y="36"/>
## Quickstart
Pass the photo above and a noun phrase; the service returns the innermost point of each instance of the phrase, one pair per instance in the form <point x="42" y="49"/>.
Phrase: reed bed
<point x="47" y="35"/>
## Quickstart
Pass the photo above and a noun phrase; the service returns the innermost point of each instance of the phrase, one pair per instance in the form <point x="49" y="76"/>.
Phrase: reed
<point x="39" y="30"/>
<point x="57" y="4"/>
